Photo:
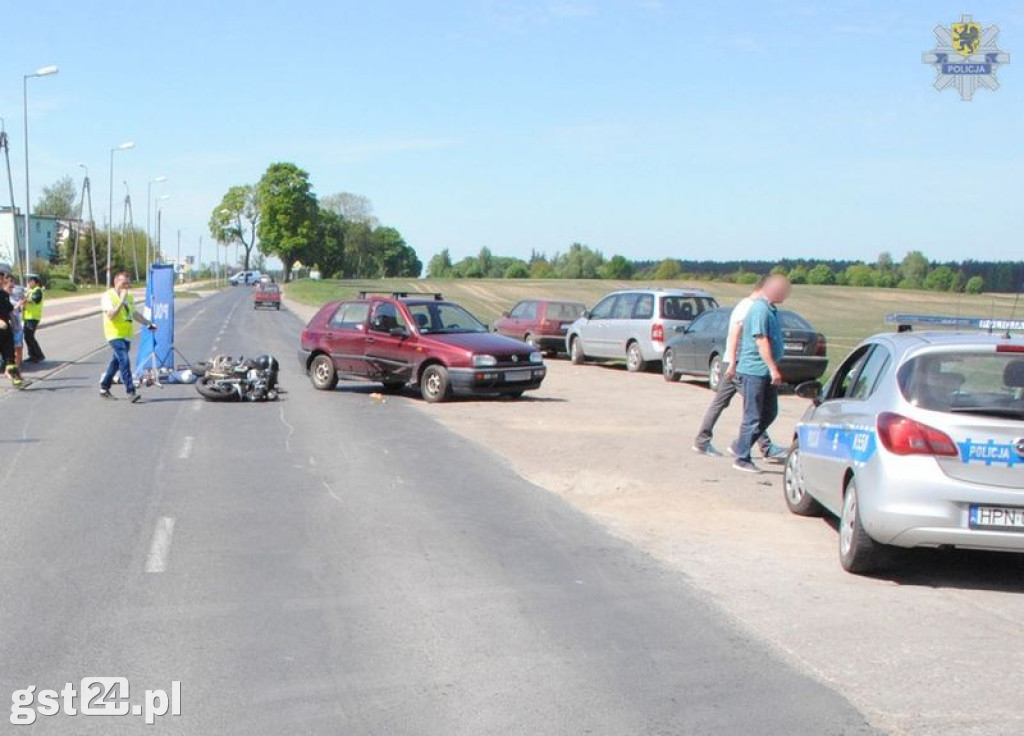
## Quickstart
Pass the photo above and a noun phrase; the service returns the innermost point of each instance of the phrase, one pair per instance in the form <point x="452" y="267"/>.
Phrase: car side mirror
<point x="810" y="390"/>
<point x="504" y="314"/>
<point x="398" y="332"/>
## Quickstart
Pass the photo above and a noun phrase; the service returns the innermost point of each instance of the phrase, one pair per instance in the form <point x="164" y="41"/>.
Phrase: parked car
<point x="405" y="339"/>
<point x="634" y="325"/>
<point x="916" y="441"/>
<point x="541" y="323"/>
<point x="698" y="350"/>
<point x="267" y="294"/>
<point x="243" y="278"/>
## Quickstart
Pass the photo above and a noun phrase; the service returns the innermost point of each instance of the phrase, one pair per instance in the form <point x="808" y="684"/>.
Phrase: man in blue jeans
<point x="760" y="351"/>
<point x="119" y="316"/>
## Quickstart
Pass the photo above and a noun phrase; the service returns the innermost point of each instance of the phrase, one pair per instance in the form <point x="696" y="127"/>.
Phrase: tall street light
<point x="149" y="230"/>
<point x="159" y="226"/>
<point x="110" y="219"/>
<point x="41" y="72"/>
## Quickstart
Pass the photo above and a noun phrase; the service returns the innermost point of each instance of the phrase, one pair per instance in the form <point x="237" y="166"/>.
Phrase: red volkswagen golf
<point x="420" y="340"/>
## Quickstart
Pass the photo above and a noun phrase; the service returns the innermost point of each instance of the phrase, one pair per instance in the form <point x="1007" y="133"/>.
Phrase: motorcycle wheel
<point x="213" y="390"/>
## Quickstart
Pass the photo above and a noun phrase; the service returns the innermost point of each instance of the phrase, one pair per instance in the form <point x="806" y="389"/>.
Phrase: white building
<point x="44" y="237"/>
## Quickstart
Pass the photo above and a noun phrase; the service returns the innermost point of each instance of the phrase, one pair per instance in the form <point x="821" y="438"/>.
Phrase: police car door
<point x="840" y="432"/>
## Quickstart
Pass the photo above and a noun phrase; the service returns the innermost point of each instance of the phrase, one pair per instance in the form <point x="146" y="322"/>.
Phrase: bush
<point x="517" y="271"/>
<point x="821" y="275"/>
<point x="62" y="285"/>
<point x="747" y="277"/>
<point x="974" y="285"/>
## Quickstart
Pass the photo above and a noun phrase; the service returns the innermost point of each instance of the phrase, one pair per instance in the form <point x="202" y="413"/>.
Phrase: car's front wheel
<point x="435" y="385"/>
<point x="715" y="372"/>
<point x="576" y="352"/>
<point x="668" y="366"/>
<point x="322" y="373"/>
<point x="635" y="362"/>
<point x="858" y="552"/>
<point x="799" y="501"/>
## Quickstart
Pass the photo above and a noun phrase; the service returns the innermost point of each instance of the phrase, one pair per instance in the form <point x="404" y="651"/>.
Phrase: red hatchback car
<point x="413" y="339"/>
<point x="541" y="323"/>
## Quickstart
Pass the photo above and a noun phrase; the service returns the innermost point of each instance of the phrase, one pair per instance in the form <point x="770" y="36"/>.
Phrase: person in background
<point x="118" y="316"/>
<point x="7" y="334"/>
<point x="17" y="295"/>
<point x="729" y="385"/>
<point x="31" y="315"/>
<point x="761" y="348"/>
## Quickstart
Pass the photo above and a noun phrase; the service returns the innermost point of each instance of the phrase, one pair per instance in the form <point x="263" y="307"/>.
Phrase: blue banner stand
<point x="156" y="347"/>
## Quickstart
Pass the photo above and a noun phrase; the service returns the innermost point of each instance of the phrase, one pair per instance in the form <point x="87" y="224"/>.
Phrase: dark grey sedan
<point x="698" y="351"/>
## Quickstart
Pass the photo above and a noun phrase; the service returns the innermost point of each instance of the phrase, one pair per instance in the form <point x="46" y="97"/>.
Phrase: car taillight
<point x="1010" y="348"/>
<point x="901" y="435"/>
<point x="657" y="333"/>
<point x="304" y="335"/>
<point x="821" y="349"/>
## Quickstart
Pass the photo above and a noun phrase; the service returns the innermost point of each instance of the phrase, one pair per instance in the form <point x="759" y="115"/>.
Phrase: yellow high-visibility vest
<point x="121" y="326"/>
<point x="33" y="310"/>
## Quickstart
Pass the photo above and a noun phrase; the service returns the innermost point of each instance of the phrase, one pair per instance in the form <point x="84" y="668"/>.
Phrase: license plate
<point x="1008" y="518"/>
<point x="794" y="347"/>
<point x="518" y="376"/>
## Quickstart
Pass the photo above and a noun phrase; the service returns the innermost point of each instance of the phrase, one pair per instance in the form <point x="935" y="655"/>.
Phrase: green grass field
<point x="845" y="314"/>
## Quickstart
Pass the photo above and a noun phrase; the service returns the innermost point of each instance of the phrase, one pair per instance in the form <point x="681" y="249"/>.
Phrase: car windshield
<point x="685" y="307"/>
<point x="793" y="321"/>
<point x="970" y="383"/>
<point x="437" y="318"/>
<point x="565" y="311"/>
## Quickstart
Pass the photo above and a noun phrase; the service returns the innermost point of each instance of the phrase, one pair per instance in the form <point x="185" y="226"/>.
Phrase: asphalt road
<point x="328" y="564"/>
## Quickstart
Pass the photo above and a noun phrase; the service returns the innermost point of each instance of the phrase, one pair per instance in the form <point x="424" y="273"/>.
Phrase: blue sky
<point x="651" y="128"/>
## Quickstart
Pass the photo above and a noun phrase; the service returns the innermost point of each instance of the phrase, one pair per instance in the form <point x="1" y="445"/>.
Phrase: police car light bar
<point x="968" y="323"/>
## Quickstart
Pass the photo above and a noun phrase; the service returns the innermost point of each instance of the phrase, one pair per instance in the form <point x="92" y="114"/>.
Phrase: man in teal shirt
<point x="757" y="367"/>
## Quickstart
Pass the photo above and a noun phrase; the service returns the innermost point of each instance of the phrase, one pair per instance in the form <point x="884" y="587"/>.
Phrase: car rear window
<point x="969" y="383"/>
<point x="565" y="311"/>
<point x="793" y="321"/>
<point x="685" y="308"/>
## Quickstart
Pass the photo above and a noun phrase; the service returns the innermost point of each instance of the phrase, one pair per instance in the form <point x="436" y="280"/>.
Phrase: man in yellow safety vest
<point x="31" y="314"/>
<point x="118" y="315"/>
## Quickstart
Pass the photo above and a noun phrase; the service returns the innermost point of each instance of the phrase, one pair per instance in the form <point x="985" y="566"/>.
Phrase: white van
<point x="245" y="277"/>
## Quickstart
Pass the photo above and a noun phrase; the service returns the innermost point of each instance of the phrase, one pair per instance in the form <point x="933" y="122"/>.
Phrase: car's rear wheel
<point x="322" y="373"/>
<point x="576" y="352"/>
<point x="799" y="501"/>
<point x="435" y="385"/>
<point x="715" y="372"/>
<point x="858" y="552"/>
<point x="635" y="362"/>
<point x="668" y="366"/>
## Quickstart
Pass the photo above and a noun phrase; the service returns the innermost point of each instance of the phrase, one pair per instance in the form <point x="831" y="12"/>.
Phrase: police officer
<point x="118" y="314"/>
<point x="7" y="333"/>
<point x="31" y="314"/>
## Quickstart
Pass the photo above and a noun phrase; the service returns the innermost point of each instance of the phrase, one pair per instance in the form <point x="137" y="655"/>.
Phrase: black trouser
<point x="6" y="348"/>
<point x="34" y="351"/>
<point x="723" y="397"/>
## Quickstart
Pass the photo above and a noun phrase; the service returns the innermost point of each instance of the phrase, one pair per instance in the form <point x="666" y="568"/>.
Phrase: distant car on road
<point x="699" y="350"/>
<point x="268" y="295"/>
<point x="541" y="323"/>
<point x="405" y="339"/>
<point x="916" y="441"/>
<point x="634" y="325"/>
<point x="243" y="278"/>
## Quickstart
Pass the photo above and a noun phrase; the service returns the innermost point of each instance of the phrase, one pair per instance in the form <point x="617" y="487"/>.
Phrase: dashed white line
<point x="186" y="448"/>
<point x="160" y="547"/>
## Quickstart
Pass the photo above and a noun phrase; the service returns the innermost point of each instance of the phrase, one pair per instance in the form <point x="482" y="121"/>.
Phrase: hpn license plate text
<point x="997" y="517"/>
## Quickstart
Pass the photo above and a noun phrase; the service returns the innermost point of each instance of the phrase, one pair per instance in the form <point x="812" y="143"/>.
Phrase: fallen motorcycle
<point x="227" y="379"/>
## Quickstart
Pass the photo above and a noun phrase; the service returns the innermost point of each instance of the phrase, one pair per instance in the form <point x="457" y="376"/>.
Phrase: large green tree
<point x="288" y="214"/>
<point x="59" y="200"/>
<point x="236" y="219"/>
<point x="393" y="256"/>
<point x="440" y="265"/>
<point x="330" y="246"/>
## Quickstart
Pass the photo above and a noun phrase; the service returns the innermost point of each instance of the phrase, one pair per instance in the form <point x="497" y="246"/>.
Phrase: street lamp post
<point x="110" y="220"/>
<point x="160" y="226"/>
<point x="41" y="72"/>
<point x="149" y="229"/>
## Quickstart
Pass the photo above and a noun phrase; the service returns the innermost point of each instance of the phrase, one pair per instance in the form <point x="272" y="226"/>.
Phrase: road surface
<point x="328" y="564"/>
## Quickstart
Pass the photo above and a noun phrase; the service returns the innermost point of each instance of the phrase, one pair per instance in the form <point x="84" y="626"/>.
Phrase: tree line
<point x="914" y="271"/>
<point x="337" y="235"/>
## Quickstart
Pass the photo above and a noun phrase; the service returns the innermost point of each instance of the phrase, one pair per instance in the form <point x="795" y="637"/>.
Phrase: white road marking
<point x="160" y="547"/>
<point x="330" y="491"/>
<point x="186" y="449"/>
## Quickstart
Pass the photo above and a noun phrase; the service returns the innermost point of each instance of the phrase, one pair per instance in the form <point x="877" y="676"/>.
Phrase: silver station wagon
<point x="916" y="441"/>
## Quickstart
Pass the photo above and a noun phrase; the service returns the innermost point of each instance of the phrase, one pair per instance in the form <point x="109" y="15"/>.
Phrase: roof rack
<point x="436" y="296"/>
<point x="990" y="324"/>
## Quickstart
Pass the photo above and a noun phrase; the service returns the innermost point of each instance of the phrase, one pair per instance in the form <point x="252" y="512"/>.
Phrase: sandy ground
<point x="932" y="649"/>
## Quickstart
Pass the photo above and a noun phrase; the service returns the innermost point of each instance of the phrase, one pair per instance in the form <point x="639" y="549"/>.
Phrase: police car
<point x="916" y="441"/>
